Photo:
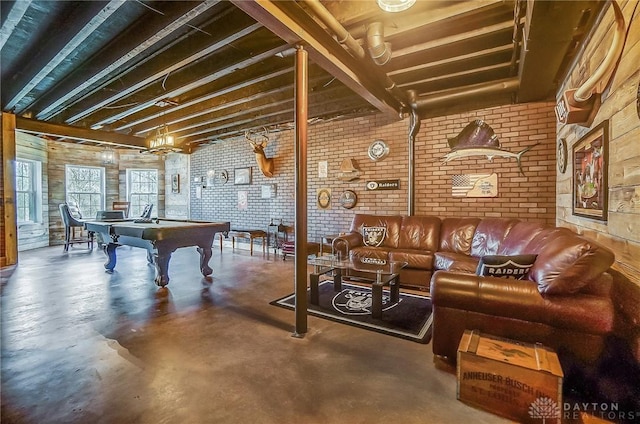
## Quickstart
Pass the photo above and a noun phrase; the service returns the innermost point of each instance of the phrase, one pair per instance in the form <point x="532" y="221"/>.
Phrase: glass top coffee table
<point x="374" y="271"/>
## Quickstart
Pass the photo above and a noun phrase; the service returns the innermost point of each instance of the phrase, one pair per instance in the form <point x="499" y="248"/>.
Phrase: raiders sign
<point x="373" y="236"/>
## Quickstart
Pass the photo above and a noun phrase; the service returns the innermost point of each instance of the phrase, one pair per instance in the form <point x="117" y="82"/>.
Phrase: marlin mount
<point x="479" y="139"/>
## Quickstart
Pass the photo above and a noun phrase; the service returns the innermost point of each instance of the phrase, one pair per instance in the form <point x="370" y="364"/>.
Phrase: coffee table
<point x="376" y="272"/>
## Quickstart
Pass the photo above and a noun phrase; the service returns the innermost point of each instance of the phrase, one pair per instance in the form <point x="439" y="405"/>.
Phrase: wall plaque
<point x="383" y="185"/>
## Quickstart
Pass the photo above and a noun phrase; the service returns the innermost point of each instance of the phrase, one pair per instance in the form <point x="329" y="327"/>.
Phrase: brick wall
<point x="530" y="197"/>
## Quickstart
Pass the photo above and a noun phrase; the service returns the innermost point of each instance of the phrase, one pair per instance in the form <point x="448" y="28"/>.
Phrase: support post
<point x="301" y="116"/>
<point x="9" y="239"/>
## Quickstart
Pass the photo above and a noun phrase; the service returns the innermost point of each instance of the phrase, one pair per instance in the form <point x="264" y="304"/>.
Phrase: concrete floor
<point x="83" y="346"/>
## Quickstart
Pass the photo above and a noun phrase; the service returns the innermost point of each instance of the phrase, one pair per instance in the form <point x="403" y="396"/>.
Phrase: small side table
<point x="328" y="239"/>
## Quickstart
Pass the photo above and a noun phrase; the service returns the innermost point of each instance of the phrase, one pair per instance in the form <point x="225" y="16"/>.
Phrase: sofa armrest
<point x="488" y="295"/>
<point x="521" y="300"/>
<point x="344" y="243"/>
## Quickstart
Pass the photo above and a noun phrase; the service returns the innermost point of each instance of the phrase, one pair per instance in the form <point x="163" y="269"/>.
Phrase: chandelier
<point x="108" y="156"/>
<point x="162" y="142"/>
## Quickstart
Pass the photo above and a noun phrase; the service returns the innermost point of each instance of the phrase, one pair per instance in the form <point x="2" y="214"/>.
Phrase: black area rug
<point x="410" y="318"/>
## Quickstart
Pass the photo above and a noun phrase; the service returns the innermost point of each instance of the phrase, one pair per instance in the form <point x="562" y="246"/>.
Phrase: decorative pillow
<point x="506" y="266"/>
<point x="373" y="236"/>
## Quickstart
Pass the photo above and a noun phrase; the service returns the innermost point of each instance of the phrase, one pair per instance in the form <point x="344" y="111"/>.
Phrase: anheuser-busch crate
<point x="519" y="381"/>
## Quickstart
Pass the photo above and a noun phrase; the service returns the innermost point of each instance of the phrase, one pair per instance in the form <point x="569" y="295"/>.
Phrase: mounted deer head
<point x="264" y="163"/>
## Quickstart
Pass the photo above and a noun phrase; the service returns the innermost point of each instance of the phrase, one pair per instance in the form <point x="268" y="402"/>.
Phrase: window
<point x="142" y="188"/>
<point x="85" y="186"/>
<point x="28" y="201"/>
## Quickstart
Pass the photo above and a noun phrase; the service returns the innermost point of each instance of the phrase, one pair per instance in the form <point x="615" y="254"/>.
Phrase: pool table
<point x="161" y="237"/>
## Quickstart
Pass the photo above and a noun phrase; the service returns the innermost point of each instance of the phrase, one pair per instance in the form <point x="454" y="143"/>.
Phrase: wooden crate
<point x="519" y="381"/>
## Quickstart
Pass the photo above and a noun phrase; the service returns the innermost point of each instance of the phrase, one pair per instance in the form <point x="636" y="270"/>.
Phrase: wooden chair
<point x="122" y="206"/>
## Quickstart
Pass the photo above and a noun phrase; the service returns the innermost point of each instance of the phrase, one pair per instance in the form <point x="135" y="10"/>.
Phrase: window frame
<point x="136" y="207"/>
<point x="87" y="212"/>
<point x="34" y="193"/>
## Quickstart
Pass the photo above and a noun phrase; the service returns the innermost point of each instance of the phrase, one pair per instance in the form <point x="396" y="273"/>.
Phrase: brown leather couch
<point x="563" y="302"/>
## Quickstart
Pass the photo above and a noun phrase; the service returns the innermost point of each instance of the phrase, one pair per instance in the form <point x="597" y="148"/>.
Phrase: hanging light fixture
<point x="162" y="142"/>
<point x="395" y="5"/>
<point x="108" y="156"/>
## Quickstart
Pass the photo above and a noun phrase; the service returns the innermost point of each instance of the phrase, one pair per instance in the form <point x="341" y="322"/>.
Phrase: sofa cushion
<point x="489" y="234"/>
<point x="456" y="235"/>
<point x="451" y="261"/>
<point x="568" y="262"/>
<point x="369" y="252"/>
<point x="516" y="266"/>
<point x="390" y="222"/>
<point x="420" y="259"/>
<point x="519" y="236"/>
<point x="420" y="232"/>
<point x="373" y="236"/>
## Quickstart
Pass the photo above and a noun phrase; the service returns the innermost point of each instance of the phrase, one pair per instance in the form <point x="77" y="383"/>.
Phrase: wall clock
<point x="222" y="177"/>
<point x="348" y="199"/>
<point x="378" y="150"/>
<point x="562" y="155"/>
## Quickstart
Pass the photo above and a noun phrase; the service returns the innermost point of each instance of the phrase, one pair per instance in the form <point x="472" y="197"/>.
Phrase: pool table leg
<point x="161" y="261"/>
<point x="205" y="255"/>
<point x="110" y="251"/>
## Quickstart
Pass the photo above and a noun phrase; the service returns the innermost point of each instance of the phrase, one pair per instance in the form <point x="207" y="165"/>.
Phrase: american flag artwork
<point x="474" y="185"/>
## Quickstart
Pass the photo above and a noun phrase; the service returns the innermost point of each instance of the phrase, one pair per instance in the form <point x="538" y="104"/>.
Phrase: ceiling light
<point x="395" y="5"/>
<point x="108" y="156"/>
<point x="162" y="142"/>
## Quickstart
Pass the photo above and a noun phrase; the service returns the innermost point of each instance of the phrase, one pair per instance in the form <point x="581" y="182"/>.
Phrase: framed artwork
<point x="242" y="176"/>
<point x="268" y="191"/>
<point x="243" y="200"/>
<point x="590" y="186"/>
<point x="323" y="196"/>
<point x="175" y="183"/>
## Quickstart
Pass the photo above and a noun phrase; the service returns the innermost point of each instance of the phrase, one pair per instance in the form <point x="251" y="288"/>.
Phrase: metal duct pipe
<point x="583" y="93"/>
<point x="379" y="51"/>
<point x="341" y="33"/>
<point x="414" y="128"/>
<point x="352" y="44"/>
<point x="450" y="96"/>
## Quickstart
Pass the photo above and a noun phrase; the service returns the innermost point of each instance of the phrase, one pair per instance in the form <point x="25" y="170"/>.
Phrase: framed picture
<point x="324" y="197"/>
<point x="590" y="185"/>
<point x="242" y="176"/>
<point x="175" y="183"/>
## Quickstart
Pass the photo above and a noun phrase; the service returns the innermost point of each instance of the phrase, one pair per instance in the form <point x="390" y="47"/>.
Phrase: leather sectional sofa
<point x="563" y="300"/>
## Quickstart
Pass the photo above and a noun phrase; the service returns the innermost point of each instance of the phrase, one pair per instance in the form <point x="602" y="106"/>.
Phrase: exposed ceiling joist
<point x="295" y="27"/>
<point x="160" y="27"/>
<point x="550" y="30"/>
<point x="33" y="126"/>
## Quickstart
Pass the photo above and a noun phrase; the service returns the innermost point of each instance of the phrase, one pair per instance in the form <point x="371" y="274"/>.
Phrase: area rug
<point x="410" y="318"/>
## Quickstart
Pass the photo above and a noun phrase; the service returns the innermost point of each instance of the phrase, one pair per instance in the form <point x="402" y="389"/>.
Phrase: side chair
<point x="70" y="223"/>
<point x="122" y="206"/>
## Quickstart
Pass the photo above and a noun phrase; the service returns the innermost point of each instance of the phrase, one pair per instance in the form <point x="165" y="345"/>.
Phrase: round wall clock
<point x="378" y="150"/>
<point x="222" y="177"/>
<point x="348" y="199"/>
<point x="562" y="155"/>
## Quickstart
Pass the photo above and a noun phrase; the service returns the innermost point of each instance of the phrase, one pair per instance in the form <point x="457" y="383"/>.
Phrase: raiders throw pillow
<point x="373" y="236"/>
<point x="506" y="266"/>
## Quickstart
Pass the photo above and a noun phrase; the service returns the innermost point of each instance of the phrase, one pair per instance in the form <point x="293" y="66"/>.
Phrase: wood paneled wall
<point x="621" y="232"/>
<point x="61" y="154"/>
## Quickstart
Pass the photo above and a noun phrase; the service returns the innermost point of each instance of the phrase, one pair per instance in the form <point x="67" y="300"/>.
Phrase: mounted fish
<point x="479" y="139"/>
